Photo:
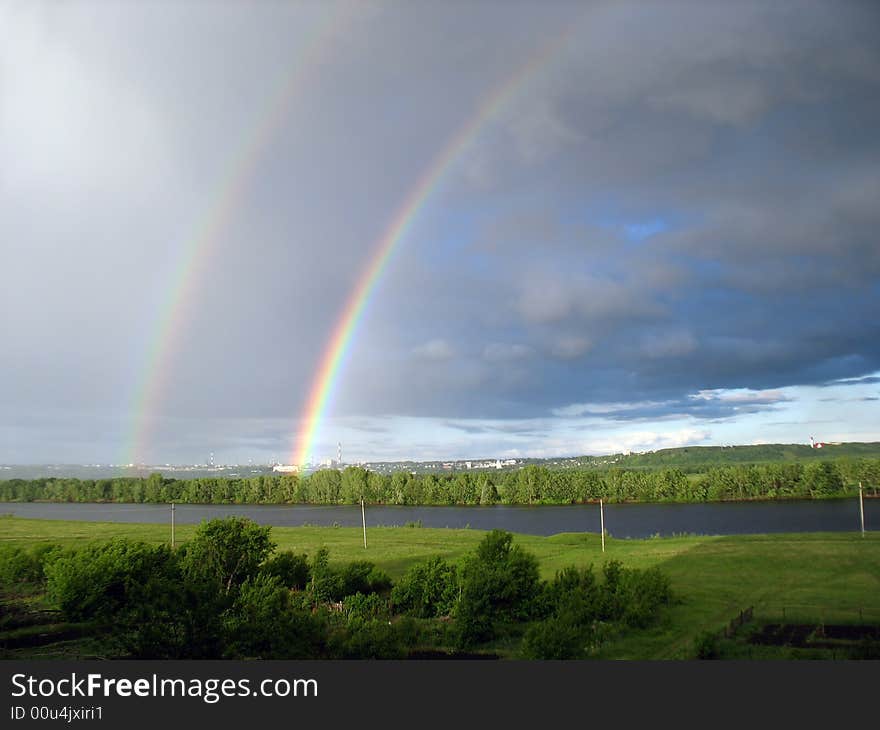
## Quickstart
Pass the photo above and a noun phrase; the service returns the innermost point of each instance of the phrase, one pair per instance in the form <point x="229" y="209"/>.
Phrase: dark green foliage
<point x="632" y="596"/>
<point x="707" y="646"/>
<point x="291" y="569"/>
<point x="99" y="580"/>
<point x="500" y="585"/>
<point x="263" y="623"/>
<point x="580" y="613"/>
<point x="573" y="593"/>
<point x="374" y="639"/>
<point x="325" y="584"/>
<point x="364" y="607"/>
<point x="136" y="592"/>
<point x="227" y="551"/>
<point x="558" y="637"/>
<point x="18" y="565"/>
<point x="428" y="590"/>
<point x="361" y="576"/>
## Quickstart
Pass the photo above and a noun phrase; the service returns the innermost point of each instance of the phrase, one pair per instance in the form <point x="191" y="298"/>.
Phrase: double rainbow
<point x="342" y="338"/>
<point x="196" y="252"/>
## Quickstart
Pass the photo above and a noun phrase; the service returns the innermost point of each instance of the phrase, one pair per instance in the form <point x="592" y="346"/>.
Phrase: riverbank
<point x="821" y="576"/>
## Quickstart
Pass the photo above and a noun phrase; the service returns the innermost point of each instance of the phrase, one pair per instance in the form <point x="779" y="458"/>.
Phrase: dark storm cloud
<point x="681" y="199"/>
<point x="747" y="130"/>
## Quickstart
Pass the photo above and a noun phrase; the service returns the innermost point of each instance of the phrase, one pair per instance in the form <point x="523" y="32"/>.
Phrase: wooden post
<point x="364" y="520"/>
<point x="172" y="525"/>
<point x="602" y="522"/>
<point x="861" y="509"/>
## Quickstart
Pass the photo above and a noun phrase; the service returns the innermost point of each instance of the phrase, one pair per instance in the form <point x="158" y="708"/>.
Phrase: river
<point x="621" y="520"/>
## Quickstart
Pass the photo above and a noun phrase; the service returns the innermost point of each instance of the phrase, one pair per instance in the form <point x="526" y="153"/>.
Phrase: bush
<point x="500" y="585"/>
<point x="263" y="623"/>
<point x="99" y="580"/>
<point x="291" y="569"/>
<point x="227" y="551"/>
<point x="325" y="584"/>
<point x="376" y="639"/>
<point x="364" y="607"/>
<point x="632" y="596"/>
<point x="575" y="593"/>
<point x="361" y="576"/>
<point x="428" y="590"/>
<point x="19" y="566"/>
<point x="556" y="638"/>
<point x="707" y="646"/>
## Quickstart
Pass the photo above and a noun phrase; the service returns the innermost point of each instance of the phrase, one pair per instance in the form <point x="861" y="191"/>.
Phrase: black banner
<point x="406" y="693"/>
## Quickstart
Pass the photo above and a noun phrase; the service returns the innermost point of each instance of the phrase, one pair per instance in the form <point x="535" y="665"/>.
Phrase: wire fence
<point x="818" y="614"/>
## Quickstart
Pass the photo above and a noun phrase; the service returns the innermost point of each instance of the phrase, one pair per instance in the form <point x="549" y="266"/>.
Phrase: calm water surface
<point x="621" y="520"/>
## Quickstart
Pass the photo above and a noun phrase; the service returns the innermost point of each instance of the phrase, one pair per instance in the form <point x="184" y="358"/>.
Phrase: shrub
<point x="556" y="638"/>
<point x="632" y="596"/>
<point x="18" y="565"/>
<point x="263" y="623"/>
<point x="429" y="589"/>
<point x="227" y="551"/>
<point x="364" y="606"/>
<point x="375" y="639"/>
<point x="707" y="646"/>
<point x="361" y="576"/>
<point x="500" y="585"/>
<point x="291" y="569"/>
<point x="99" y="580"/>
<point x="325" y="583"/>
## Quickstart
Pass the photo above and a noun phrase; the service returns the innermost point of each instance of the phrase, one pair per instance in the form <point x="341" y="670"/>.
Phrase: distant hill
<point x="700" y="456"/>
<point x="688" y="459"/>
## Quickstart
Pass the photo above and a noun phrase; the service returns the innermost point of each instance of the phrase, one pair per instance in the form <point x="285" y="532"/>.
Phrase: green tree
<point x="263" y="623"/>
<point x="500" y="585"/>
<point x="428" y="589"/>
<point x="822" y="478"/>
<point x="291" y="569"/>
<point x="354" y="485"/>
<point x="228" y="551"/>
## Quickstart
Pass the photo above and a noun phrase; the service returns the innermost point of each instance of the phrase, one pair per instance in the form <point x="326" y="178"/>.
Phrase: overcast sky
<point x="665" y="234"/>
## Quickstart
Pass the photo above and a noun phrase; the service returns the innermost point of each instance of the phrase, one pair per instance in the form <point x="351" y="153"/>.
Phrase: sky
<point x="647" y="225"/>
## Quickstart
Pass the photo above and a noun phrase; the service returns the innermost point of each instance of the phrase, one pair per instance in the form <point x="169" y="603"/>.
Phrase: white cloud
<point x="437" y="349"/>
<point x="740" y="395"/>
<point x="645" y="441"/>
<point x="601" y="409"/>
<point x="504" y="352"/>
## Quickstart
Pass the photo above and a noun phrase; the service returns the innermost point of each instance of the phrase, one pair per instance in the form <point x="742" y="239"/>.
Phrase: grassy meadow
<point x="809" y="576"/>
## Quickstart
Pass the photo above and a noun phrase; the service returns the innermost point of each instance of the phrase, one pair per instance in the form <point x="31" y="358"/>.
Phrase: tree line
<point x="532" y="484"/>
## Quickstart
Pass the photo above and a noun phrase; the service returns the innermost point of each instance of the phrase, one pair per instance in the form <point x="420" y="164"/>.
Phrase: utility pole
<point x="862" y="509"/>
<point x="364" y="520"/>
<point x="602" y="521"/>
<point x="172" y="525"/>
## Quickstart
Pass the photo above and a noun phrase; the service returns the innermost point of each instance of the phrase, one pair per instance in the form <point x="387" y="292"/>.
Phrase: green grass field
<point x="815" y="576"/>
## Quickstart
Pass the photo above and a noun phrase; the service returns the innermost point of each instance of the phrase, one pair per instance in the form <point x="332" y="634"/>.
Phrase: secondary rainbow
<point x="342" y="337"/>
<point x="195" y="254"/>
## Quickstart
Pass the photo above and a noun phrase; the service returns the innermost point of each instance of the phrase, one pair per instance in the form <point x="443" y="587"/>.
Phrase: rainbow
<point x="343" y="333"/>
<point x="195" y="254"/>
